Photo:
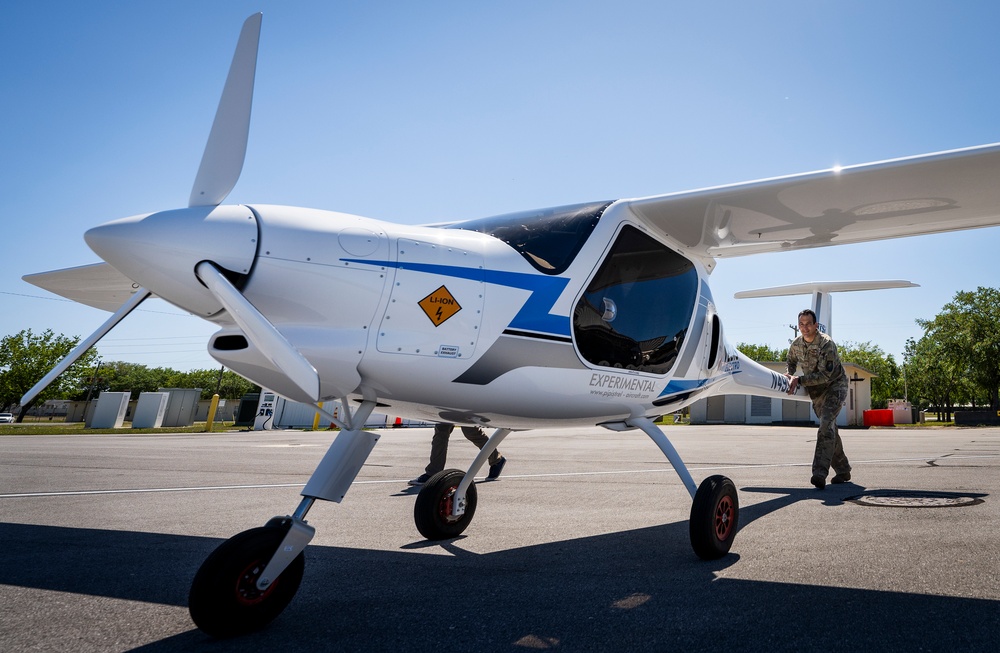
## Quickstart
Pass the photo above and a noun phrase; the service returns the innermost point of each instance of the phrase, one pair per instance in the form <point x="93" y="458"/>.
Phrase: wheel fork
<point x="458" y="500"/>
<point x="330" y="482"/>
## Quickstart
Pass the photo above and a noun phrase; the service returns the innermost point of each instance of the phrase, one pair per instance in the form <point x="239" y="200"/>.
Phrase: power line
<point x="62" y="299"/>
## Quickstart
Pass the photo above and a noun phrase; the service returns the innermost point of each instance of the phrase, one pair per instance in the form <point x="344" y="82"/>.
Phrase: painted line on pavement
<point x="396" y="481"/>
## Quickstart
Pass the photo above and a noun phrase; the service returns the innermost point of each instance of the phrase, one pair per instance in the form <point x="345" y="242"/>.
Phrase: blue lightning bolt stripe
<point x="534" y="315"/>
<point x="680" y="385"/>
<point x="676" y="386"/>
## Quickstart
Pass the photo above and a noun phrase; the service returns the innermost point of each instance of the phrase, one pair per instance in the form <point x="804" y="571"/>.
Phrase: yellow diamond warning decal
<point x="439" y="305"/>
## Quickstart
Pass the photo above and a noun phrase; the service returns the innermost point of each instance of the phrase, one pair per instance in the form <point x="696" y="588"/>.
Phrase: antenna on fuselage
<point x="822" y="303"/>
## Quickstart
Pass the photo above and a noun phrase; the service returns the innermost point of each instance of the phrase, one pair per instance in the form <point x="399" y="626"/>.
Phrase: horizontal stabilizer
<point x="98" y="285"/>
<point x="822" y="303"/>
<point x="811" y="287"/>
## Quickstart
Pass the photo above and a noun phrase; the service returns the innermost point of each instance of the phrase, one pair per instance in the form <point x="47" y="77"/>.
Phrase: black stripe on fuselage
<point x="537" y="336"/>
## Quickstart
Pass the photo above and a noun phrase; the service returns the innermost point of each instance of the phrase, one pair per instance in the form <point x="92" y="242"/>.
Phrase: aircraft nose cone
<point x="160" y="250"/>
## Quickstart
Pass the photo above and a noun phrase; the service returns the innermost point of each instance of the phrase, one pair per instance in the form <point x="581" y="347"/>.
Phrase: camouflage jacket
<point x="820" y="363"/>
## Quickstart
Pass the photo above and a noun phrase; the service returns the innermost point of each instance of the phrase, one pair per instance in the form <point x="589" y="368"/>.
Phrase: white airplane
<point x="593" y="314"/>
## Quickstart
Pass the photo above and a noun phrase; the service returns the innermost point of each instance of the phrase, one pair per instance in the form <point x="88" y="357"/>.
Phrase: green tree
<point x="121" y="376"/>
<point x="932" y="379"/>
<point x="966" y="334"/>
<point x="762" y="353"/>
<point x="229" y="386"/>
<point x="26" y="357"/>
<point x="235" y="386"/>
<point x="888" y="382"/>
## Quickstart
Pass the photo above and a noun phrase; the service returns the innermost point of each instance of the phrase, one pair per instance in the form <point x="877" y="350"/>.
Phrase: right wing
<point x="927" y="194"/>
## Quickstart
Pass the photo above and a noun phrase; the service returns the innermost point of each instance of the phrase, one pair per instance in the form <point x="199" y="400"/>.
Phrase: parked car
<point x="6" y="418"/>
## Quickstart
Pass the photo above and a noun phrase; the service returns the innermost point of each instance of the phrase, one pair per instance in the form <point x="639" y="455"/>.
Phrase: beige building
<point x="749" y="409"/>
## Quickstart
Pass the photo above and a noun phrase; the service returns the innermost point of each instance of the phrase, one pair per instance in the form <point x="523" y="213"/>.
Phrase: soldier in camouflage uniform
<point x="825" y="382"/>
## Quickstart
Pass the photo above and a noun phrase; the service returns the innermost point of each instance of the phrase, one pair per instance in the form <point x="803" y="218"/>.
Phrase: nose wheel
<point x="714" y="517"/>
<point x="433" y="511"/>
<point x="225" y="600"/>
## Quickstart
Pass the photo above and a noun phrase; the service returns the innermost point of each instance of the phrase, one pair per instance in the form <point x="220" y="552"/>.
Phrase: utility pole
<point x="93" y="381"/>
<point x="795" y="332"/>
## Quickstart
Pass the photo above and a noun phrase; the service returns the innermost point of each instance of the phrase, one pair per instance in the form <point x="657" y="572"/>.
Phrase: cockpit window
<point x="635" y="312"/>
<point x="549" y="239"/>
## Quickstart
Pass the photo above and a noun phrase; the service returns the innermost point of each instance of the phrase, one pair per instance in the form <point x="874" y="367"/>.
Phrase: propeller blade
<point x="264" y="335"/>
<point x="226" y="149"/>
<point x="82" y="348"/>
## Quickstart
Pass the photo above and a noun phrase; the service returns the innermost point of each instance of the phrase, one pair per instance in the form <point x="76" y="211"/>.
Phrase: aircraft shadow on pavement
<point x="836" y="495"/>
<point x="634" y="590"/>
<point x="833" y="495"/>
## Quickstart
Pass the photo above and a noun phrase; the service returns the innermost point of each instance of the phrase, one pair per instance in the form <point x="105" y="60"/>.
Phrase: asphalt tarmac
<point x="582" y="545"/>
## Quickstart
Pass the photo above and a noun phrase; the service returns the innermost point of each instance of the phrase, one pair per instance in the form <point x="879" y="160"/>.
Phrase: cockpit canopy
<point x="549" y="239"/>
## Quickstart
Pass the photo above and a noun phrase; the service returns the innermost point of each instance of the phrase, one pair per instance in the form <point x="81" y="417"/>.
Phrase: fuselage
<point x="573" y="315"/>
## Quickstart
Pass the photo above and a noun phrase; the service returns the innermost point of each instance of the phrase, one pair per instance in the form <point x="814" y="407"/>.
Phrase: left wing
<point x="98" y="285"/>
<point x="947" y="191"/>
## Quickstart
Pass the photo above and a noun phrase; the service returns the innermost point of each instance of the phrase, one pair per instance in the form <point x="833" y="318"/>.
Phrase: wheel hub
<point x="723" y="518"/>
<point x="247" y="592"/>
<point x="447" y="506"/>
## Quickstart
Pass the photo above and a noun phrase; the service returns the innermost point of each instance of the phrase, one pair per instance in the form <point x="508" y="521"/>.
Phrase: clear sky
<point x="424" y="111"/>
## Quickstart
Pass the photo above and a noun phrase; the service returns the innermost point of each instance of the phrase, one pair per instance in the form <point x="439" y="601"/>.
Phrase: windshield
<point x="549" y="239"/>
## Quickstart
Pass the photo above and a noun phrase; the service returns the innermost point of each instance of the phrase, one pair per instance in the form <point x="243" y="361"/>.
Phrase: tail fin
<point x="820" y="291"/>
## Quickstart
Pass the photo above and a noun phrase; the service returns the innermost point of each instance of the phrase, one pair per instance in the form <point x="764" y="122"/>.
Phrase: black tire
<point x="432" y="510"/>
<point x="715" y="516"/>
<point x="224" y="600"/>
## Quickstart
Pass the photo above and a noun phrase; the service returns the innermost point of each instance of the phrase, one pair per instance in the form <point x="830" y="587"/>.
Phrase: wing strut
<point x="84" y="346"/>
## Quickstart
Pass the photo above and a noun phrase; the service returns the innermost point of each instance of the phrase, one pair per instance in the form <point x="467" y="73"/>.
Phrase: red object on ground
<point x="879" y="417"/>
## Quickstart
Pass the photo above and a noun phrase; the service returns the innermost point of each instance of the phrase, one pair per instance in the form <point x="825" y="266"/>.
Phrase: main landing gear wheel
<point x="714" y="517"/>
<point x="432" y="510"/>
<point x="224" y="599"/>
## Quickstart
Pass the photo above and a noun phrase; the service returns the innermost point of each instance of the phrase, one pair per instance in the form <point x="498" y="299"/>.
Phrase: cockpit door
<point x="636" y="310"/>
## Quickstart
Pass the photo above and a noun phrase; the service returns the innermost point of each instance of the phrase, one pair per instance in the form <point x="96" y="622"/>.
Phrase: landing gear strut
<point x="447" y="501"/>
<point x="246" y="582"/>
<point x="715" y="509"/>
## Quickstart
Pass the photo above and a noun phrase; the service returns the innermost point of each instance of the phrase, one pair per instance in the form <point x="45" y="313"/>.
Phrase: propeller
<point x="264" y="335"/>
<point x="222" y="161"/>
<point x="221" y="165"/>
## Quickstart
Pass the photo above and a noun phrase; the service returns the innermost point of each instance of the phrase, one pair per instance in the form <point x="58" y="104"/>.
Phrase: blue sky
<point x="419" y="112"/>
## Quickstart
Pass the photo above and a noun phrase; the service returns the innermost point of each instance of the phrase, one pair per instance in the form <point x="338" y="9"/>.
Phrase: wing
<point x="98" y="285"/>
<point x="947" y="191"/>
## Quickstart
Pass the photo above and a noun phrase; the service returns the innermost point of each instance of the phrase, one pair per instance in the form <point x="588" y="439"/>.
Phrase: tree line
<point x="955" y="363"/>
<point x="25" y="357"/>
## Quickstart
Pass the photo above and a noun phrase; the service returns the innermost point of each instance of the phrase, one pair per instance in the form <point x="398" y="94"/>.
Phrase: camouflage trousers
<point x="439" y="445"/>
<point x="829" y="447"/>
